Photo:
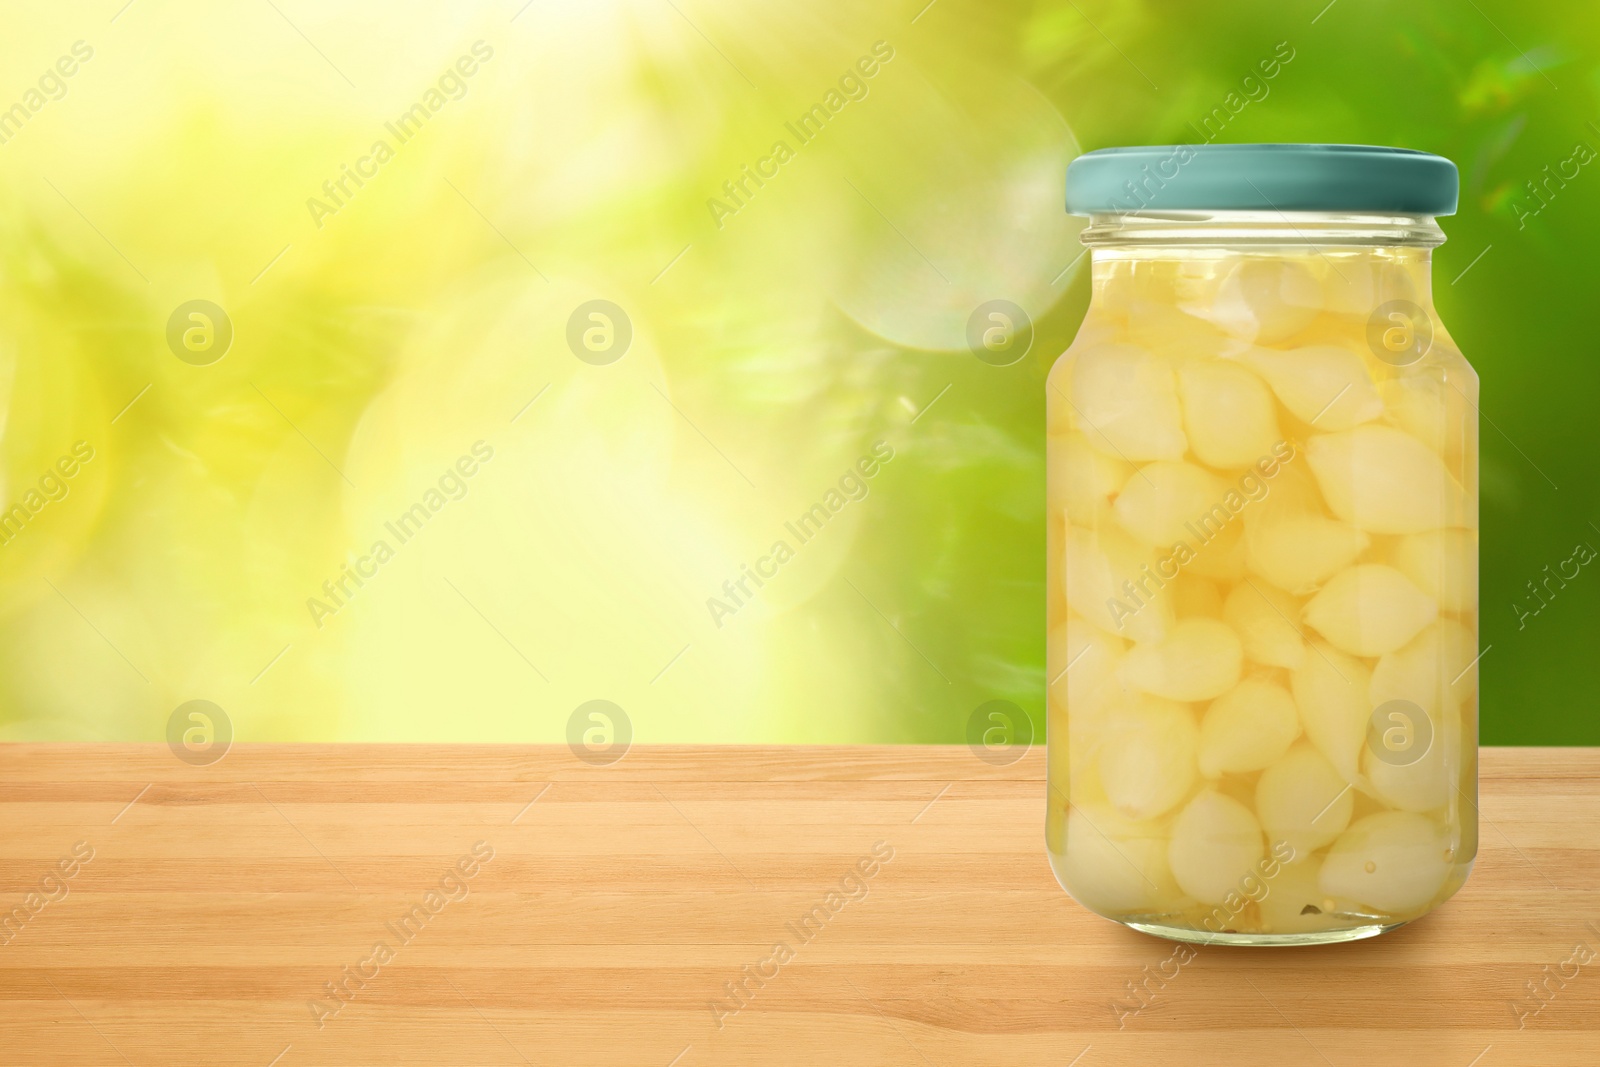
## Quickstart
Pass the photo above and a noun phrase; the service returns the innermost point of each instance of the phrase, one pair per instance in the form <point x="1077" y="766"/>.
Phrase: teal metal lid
<point x="1262" y="177"/>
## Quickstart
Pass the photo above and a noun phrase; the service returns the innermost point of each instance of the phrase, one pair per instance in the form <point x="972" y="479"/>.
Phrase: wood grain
<point x="620" y="899"/>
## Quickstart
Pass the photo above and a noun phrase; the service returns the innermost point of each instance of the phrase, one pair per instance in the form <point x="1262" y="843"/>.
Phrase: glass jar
<point x="1263" y="529"/>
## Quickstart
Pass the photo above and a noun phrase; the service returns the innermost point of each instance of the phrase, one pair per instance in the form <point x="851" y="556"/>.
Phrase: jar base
<point x="1260" y="940"/>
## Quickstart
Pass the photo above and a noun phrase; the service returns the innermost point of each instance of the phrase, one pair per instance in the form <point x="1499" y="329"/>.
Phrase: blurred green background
<point x="404" y="212"/>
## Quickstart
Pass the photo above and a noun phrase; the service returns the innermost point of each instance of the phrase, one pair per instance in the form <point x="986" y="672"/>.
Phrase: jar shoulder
<point x="1177" y="337"/>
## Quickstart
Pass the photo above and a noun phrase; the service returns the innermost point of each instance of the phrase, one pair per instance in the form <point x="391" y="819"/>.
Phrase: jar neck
<point x="1349" y="264"/>
<point x="1257" y="231"/>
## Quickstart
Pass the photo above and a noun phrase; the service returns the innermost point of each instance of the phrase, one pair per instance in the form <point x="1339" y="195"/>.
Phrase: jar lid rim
<point x="1262" y="177"/>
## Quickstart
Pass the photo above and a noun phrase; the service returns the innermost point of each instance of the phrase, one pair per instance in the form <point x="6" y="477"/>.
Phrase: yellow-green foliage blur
<point x="405" y="371"/>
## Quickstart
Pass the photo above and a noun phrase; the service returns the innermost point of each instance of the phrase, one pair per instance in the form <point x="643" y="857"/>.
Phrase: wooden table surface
<point x="207" y="915"/>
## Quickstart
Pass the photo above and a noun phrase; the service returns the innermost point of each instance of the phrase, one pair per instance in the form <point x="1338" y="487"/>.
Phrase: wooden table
<point x="221" y="903"/>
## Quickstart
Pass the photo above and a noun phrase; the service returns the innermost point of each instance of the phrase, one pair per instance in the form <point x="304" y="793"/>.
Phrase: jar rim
<point x="1305" y="229"/>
